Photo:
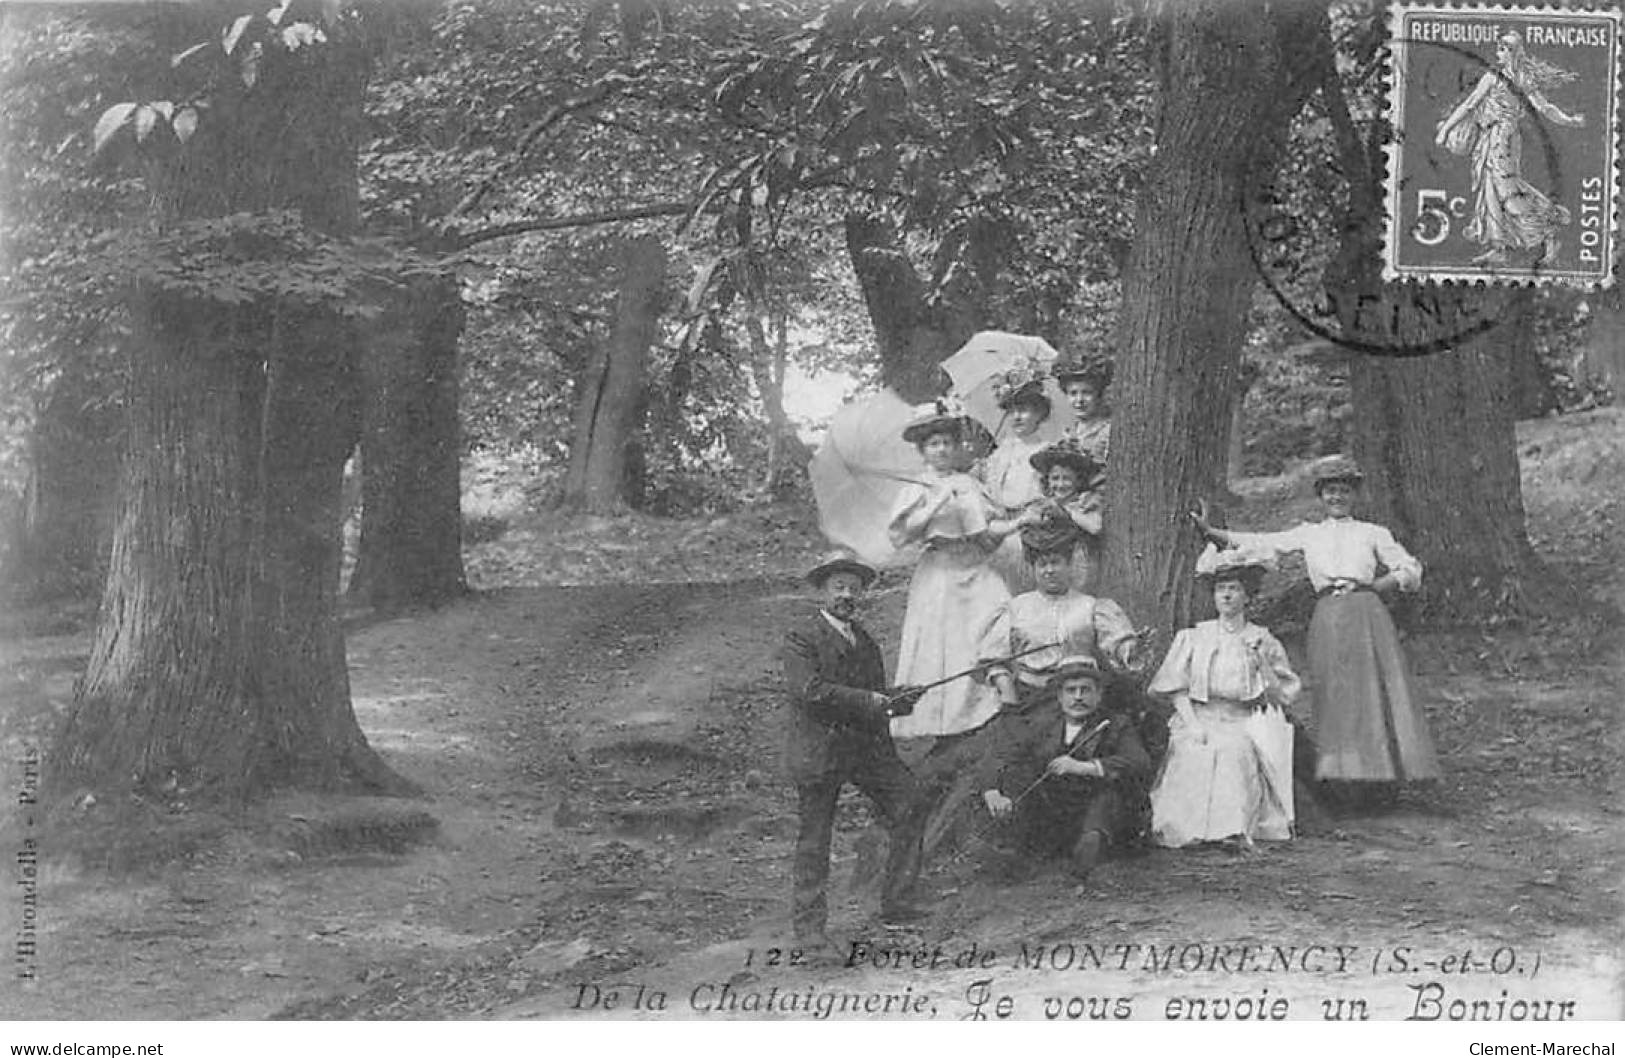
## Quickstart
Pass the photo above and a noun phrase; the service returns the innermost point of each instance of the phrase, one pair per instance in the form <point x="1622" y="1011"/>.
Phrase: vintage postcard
<point x="889" y="511"/>
<point x="1504" y="165"/>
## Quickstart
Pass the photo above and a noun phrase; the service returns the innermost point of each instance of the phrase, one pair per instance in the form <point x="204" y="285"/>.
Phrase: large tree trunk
<point x="411" y="517"/>
<point x="1435" y="432"/>
<point x="1435" y="436"/>
<point x="1231" y="82"/>
<point x="610" y="402"/>
<point x="65" y="530"/>
<point x="914" y="335"/>
<point x="217" y="669"/>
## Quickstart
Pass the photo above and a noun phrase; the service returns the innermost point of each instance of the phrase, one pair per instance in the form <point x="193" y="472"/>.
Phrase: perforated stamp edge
<point x="1393" y="112"/>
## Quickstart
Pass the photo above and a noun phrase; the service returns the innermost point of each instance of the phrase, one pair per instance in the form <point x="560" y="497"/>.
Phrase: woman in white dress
<point x="954" y="587"/>
<point x="1011" y="480"/>
<point x="1228" y="772"/>
<point x="1368" y="727"/>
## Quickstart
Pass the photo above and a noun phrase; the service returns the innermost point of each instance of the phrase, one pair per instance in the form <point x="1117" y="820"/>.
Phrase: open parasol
<point x="858" y="472"/>
<point x="992" y="361"/>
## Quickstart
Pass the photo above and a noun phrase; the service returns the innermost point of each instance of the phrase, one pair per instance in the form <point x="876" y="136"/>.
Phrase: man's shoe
<point x="1086" y="854"/>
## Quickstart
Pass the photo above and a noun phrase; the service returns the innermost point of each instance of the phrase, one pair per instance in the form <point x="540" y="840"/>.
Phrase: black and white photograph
<point x="1097" y="512"/>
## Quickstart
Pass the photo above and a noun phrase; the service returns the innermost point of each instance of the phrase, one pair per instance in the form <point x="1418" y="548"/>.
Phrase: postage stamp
<point x="1504" y="162"/>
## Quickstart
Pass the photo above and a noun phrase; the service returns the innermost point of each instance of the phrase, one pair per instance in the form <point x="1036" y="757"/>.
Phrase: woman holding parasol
<point x="954" y="588"/>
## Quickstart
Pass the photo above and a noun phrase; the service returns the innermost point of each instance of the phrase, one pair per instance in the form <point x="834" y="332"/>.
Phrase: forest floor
<point x="602" y="760"/>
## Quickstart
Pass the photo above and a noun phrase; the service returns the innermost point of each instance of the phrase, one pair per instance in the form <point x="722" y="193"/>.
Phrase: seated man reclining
<point x="1063" y="779"/>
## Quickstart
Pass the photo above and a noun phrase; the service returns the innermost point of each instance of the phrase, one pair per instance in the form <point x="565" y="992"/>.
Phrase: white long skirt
<point x="1236" y="784"/>
<point x="953" y="593"/>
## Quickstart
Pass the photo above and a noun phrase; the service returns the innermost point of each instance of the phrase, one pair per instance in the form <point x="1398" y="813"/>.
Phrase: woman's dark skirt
<point x="1367" y="723"/>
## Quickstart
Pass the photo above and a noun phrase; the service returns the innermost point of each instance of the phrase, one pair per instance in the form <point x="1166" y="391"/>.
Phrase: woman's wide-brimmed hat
<point x="1075" y="666"/>
<point x="1051" y="535"/>
<point x="1029" y="394"/>
<point x="1066" y="453"/>
<point x="1096" y="372"/>
<point x="934" y="419"/>
<point x="1338" y="468"/>
<point x="1245" y="564"/>
<point x="840" y="561"/>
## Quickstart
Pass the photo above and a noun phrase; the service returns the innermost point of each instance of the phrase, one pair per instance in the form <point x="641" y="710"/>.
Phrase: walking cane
<point x="973" y="670"/>
<point x="981" y="835"/>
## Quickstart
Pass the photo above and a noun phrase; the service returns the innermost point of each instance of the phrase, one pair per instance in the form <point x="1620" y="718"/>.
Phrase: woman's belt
<point x="1332" y="590"/>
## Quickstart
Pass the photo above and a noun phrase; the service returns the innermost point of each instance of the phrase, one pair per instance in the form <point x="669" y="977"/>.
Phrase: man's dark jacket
<point x="835" y="725"/>
<point x="1025" y="743"/>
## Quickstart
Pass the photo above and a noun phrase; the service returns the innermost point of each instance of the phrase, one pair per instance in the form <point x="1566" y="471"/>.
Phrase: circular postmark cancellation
<point x="1467" y="205"/>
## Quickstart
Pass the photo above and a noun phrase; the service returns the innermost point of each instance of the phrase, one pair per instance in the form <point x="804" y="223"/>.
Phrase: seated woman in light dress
<point x="1368" y="727"/>
<point x="1228" y="773"/>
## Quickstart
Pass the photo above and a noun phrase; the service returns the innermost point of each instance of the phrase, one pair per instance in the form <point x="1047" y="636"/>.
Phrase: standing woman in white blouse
<point x="1367" y="724"/>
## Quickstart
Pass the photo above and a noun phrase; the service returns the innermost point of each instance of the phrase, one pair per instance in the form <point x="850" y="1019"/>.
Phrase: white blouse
<point x="1341" y="549"/>
<point x="1009" y="474"/>
<point x="1064" y="625"/>
<point x="1207" y="662"/>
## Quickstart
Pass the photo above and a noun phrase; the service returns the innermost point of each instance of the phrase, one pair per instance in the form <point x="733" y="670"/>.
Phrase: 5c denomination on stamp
<point x="1504" y="163"/>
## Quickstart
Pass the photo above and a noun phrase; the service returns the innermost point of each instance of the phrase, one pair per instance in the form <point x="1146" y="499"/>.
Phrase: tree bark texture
<point x="410" y="550"/>
<point x="217" y="669"/>
<point x="61" y="541"/>
<point x="1435" y="436"/>
<point x="610" y="402"/>
<point x="1232" y="79"/>
<point x="914" y="335"/>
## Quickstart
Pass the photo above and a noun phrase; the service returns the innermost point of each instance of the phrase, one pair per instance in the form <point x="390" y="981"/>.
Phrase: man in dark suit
<point x="1065" y="777"/>
<point x="839" y="734"/>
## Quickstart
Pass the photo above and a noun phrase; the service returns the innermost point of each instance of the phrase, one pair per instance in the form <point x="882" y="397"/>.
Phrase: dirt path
<point x="603" y="764"/>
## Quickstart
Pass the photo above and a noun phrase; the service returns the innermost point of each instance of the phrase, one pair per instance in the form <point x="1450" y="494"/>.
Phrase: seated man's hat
<point x="1073" y="667"/>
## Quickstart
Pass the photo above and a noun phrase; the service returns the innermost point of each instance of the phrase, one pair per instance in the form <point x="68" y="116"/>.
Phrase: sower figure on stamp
<point x="1064" y="778"/>
<point x="839" y="716"/>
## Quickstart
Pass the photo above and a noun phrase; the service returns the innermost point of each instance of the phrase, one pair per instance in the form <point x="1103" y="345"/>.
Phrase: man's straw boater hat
<point x="1075" y="666"/>
<point x="840" y="561"/>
